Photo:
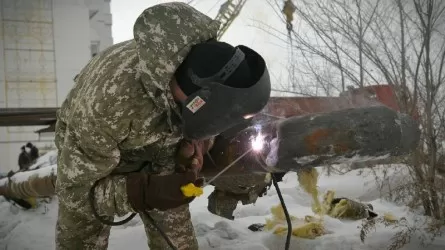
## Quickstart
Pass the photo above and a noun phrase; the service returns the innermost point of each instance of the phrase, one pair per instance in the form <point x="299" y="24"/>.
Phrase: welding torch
<point x="256" y="145"/>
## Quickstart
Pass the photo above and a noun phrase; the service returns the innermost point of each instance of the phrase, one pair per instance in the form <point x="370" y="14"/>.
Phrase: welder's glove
<point x="162" y="192"/>
<point x="190" y="154"/>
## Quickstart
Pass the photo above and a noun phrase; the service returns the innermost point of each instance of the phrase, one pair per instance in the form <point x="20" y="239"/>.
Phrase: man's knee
<point x="176" y="224"/>
<point x="76" y="230"/>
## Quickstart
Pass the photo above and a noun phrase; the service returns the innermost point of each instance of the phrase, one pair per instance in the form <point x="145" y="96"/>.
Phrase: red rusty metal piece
<point x="374" y="95"/>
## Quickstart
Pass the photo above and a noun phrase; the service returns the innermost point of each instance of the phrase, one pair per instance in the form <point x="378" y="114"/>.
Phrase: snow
<point x="44" y="166"/>
<point x="34" y="229"/>
<point x="45" y="160"/>
<point x="41" y="172"/>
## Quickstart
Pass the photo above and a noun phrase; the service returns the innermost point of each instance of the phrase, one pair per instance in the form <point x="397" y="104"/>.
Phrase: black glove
<point x="147" y="192"/>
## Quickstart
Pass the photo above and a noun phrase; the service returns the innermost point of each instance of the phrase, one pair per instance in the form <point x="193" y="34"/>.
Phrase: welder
<point x="136" y="124"/>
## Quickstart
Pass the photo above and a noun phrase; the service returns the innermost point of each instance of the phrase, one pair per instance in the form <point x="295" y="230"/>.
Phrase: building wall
<point x="43" y="45"/>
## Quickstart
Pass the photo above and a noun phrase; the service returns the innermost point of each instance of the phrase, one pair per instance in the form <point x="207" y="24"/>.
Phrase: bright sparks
<point x="258" y="142"/>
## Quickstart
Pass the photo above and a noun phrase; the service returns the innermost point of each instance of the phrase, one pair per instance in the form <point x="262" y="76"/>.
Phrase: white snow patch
<point x="45" y="160"/>
<point x="41" y="172"/>
<point x="44" y="166"/>
<point x="35" y="229"/>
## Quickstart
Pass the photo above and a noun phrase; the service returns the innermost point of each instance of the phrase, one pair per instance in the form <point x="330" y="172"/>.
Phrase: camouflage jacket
<point x="121" y="113"/>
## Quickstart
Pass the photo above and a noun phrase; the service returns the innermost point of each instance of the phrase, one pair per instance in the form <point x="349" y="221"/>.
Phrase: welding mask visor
<point x="216" y="107"/>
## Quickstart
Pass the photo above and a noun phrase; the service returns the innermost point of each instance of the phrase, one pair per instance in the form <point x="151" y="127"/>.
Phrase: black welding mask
<point x="216" y="104"/>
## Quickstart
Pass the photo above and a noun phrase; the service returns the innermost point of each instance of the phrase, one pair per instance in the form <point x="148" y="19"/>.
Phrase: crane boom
<point x="227" y="14"/>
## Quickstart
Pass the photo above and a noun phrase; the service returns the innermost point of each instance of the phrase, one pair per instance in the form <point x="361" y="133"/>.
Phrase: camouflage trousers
<point x="76" y="230"/>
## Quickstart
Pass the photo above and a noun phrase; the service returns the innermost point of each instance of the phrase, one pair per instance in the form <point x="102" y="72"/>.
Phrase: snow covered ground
<point x="34" y="229"/>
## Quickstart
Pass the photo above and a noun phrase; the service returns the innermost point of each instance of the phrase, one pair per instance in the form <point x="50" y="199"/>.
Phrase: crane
<point x="227" y="14"/>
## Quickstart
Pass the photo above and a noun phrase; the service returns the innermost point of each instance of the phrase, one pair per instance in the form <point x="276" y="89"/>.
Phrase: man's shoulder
<point x="108" y="89"/>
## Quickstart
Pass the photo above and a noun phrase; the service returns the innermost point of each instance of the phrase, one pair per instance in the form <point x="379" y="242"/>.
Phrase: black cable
<point x="91" y="196"/>
<point x="286" y="213"/>
<point x="105" y="221"/>
<point x="118" y="223"/>
<point x="163" y="234"/>
<point x="262" y="162"/>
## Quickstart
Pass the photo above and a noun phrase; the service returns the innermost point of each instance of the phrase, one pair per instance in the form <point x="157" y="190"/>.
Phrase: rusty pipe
<point x="350" y="135"/>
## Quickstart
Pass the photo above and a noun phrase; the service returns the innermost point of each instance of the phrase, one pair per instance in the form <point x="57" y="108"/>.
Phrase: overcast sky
<point x="244" y="30"/>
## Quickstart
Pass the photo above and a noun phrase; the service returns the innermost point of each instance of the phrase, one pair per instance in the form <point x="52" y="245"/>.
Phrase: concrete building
<point x="43" y="45"/>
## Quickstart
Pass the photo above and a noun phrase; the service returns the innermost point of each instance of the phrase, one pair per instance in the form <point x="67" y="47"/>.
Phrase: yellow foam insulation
<point x="310" y="227"/>
<point x="308" y="180"/>
<point x="32" y="201"/>
<point x="389" y="217"/>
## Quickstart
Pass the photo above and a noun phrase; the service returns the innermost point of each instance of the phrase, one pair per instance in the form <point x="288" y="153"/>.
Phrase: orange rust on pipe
<point x="313" y="140"/>
<point x="316" y="142"/>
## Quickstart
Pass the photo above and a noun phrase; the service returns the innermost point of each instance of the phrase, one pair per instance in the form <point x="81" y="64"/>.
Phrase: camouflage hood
<point x="164" y="35"/>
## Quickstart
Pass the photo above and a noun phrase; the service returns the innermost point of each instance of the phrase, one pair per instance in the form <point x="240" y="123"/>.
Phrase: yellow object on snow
<point x="32" y="201"/>
<point x="308" y="228"/>
<point x="312" y="226"/>
<point x="308" y="179"/>
<point x="339" y="210"/>
<point x="390" y="217"/>
<point x="191" y="190"/>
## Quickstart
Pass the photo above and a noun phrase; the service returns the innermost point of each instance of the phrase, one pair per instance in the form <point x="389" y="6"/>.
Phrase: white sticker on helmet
<point x="195" y="104"/>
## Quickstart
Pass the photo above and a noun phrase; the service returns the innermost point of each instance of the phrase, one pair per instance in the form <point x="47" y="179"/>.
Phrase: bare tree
<point x="400" y="43"/>
<point x="395" y="42"/>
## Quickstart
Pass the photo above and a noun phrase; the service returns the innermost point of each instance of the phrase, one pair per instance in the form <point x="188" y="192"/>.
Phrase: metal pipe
<point x="351" y="135"/>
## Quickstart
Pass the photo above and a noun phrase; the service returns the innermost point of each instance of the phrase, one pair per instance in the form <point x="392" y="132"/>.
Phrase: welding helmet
<point x="224" y="86"/>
